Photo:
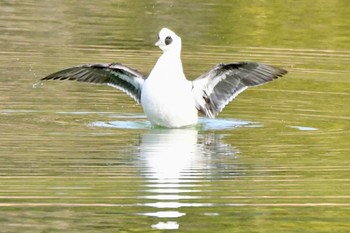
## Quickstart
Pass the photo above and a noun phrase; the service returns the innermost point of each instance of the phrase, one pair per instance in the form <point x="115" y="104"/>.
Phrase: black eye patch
<point x="168" y="40"/>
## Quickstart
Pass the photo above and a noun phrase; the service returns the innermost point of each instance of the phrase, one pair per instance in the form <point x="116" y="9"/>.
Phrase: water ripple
<point x="203" y="124"/>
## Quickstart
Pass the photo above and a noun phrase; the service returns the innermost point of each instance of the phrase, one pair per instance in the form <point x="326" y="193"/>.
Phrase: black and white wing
<point x="116" y="75"/>
<point x="216" y="88"/>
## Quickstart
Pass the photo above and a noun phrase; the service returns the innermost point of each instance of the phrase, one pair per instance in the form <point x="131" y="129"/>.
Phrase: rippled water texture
<point x="83" y="158"/>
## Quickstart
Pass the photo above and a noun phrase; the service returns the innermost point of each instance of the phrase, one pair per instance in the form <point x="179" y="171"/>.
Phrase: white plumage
<point x="167" y="97"/>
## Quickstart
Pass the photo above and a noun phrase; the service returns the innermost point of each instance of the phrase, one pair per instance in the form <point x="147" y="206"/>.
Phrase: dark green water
<point x="80" y="158"/>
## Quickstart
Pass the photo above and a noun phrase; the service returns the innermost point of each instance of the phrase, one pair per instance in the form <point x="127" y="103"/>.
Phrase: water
<point x="81" y="158"/>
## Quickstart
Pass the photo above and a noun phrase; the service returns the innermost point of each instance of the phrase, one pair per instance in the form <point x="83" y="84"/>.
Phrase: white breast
<point x="166" y="95"/>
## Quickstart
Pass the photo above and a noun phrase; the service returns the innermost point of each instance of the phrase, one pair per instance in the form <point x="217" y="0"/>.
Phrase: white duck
<point x="167" y="97"/>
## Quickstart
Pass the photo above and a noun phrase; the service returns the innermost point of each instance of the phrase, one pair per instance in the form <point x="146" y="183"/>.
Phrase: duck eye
<point x="168" y="40"/>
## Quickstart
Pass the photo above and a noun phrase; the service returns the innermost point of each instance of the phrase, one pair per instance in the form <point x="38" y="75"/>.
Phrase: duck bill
<point x="158" y="43"/>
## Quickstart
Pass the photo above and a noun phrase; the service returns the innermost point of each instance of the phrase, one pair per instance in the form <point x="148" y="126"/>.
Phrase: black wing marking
<point x="220" y="85"/>
<point x="116" y="75"/>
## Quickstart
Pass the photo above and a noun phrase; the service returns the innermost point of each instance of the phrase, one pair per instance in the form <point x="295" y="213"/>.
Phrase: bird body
<point x="167" y="97"/>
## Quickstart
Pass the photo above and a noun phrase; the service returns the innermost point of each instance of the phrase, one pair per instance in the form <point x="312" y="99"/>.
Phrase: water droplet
<point x="38" y="84"/>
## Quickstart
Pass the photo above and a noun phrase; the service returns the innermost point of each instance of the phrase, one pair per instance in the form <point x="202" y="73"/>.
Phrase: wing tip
<point x="281" y="72"/>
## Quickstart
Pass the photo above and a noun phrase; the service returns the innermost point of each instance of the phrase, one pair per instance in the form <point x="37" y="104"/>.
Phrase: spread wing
<point x="220" y="85"/>
<point x="116" y="75"/>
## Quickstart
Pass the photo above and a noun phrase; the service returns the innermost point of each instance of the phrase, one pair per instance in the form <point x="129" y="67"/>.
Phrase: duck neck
<point x="172" y="59"/>
<point x="169" y="65"/>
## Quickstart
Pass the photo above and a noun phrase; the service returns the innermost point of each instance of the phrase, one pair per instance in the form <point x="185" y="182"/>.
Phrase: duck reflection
<point x="169" y="153"/>
<point x="176" y="163"/>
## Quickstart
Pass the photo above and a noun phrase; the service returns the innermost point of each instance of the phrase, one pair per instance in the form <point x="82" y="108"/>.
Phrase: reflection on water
<point x="176" y="162"/>
<point x="304" y="128"/>
<point x="166" y="225"/>
<point x="170" y="153"/>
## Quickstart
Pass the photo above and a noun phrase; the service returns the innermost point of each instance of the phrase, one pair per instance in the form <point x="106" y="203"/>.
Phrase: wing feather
<point x="220" y="85"/>
<point x="116" y="75"/>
